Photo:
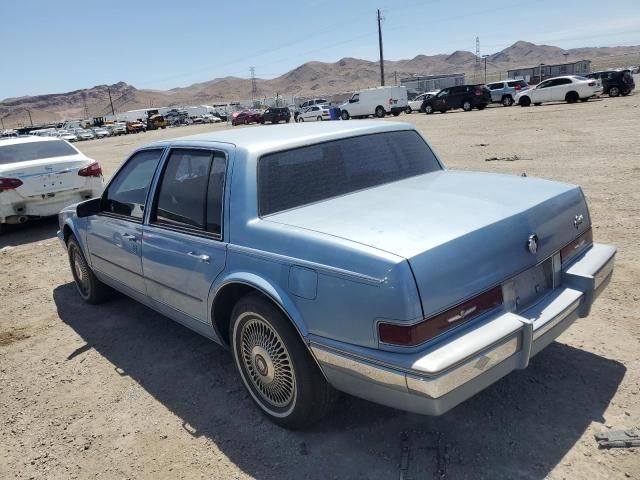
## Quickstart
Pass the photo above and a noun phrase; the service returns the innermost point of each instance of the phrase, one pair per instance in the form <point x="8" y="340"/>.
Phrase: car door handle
<point x="128" y="236"/>
<point x="203" y="258"/>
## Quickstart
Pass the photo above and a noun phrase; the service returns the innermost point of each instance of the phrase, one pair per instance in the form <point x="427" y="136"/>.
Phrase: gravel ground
<point x="119" y="391"/>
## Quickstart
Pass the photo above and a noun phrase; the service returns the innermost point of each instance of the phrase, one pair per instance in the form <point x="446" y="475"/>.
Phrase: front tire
<point x="524" y="101"/>
<point x="466" y="106"/>
<point x="408" y="110"/>
<point x="344" y="115"/>
<point x="91" y="289"/>
<point x="428" y="109"/>
<point x="614" y="92"/>
<point x="276" y="367"/>
<point x="300" y="120"/>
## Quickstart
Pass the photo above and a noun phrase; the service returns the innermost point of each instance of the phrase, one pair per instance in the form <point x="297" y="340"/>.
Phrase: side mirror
<point x="88" y="208"/>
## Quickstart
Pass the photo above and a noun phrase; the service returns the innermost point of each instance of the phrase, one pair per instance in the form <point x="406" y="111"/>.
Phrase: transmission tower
<point x="254" y="86"/>
<point x="476" y="70"/>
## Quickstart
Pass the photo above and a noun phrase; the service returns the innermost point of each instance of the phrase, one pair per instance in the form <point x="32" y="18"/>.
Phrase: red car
<point x="245" y="118"/>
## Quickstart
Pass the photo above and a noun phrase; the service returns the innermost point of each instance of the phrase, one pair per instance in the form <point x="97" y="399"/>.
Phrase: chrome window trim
<point x="156" y="185"/>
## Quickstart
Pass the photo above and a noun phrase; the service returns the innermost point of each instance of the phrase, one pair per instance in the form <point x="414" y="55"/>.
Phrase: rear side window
<point x="494" y="86"/>
<point x="24" y="152"/>
<point x="191" y="191"/>
<point x="310" y="174"/>
<point x="127" y="193"/>
<point x="517" y="83"/>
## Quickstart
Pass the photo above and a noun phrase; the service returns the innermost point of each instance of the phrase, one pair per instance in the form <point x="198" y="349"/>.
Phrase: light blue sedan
<point x="332" y="257"/>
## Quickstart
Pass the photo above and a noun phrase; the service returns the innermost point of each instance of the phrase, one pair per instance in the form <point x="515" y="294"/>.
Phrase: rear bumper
<point x="37" y="206"/>
<point x="437" y="379"/>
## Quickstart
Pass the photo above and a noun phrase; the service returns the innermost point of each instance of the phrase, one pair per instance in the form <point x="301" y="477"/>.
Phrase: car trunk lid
<point x="461" y="232"/>
<point x="51" y="175"/>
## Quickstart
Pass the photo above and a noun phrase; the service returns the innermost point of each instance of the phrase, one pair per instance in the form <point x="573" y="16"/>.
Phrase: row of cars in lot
<point x="568" y="88"/>
<point x="392" y="100"/>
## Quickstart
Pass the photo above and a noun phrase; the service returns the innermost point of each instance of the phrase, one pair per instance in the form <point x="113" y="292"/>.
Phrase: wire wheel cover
<point x="267" y="363"/>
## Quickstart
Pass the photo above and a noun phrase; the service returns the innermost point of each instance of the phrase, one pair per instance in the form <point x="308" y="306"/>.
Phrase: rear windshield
<point x="23" y="152"/>
<point x="305" y="175"/>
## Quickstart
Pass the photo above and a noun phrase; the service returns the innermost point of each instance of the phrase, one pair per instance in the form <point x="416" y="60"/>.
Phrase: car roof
<point x="28" y="139"/>
<point x="279" y="137"/>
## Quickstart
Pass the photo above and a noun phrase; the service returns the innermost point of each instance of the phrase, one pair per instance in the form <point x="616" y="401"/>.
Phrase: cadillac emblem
<point x="532" y="244"/>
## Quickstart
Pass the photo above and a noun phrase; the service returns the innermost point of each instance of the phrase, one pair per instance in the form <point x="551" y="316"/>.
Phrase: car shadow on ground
<point x="29" y="232"/>
<point x="520" y="427"/>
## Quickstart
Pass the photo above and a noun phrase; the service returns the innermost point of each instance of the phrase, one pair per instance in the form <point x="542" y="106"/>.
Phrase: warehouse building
<point x="541" y="71"/>
<point x="428" y="83"/>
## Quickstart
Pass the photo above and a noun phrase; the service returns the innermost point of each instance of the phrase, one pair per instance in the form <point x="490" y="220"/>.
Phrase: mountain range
<point x="309" y="79"/>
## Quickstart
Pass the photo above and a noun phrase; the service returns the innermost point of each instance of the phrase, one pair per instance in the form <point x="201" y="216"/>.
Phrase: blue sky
<point x="59" y="46"/>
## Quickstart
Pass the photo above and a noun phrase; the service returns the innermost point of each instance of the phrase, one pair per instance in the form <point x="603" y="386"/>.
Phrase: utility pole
<point x="395" y="75"/>
<point x="485" y="67"/>
<point x="111" y="102"/>
<point x="29" y="112"/>
<point x="381" y="55"/>
<point x="254" y="86"/>
<point x="476" y="70"/>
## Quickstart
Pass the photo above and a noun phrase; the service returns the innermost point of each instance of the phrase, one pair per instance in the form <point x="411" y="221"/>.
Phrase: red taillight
<point x="570" y="251"/>
<point x="92" y="170"/>
<point x="411" y="335"/>
<point x="9" y="183"/>
<point x="478" y="93"/>
<point x="518" y="87"/>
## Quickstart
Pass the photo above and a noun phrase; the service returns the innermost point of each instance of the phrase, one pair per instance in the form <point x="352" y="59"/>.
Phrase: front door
<point x="183" y="249"/>
<point x="542" y="92"/>
<point x="114" y="236"/>
<point x="440" y="100"/>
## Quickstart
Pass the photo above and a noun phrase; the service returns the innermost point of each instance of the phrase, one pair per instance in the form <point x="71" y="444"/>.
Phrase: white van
<point x="377" y="101"/>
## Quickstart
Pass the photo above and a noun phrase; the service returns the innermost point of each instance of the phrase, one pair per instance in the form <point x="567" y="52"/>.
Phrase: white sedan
<point x="415" y="105"/>
<point x="314" y="113"/>
<point x="569" y="88"/>
<point x="39" y="176"/>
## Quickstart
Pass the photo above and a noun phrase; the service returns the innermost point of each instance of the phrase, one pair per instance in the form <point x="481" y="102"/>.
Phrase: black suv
<point x="463" y="96"/>
<point x="615" y="82"/>
<point x="276" y="115"/>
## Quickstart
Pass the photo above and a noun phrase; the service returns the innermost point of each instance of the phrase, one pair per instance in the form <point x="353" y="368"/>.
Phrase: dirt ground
<point x="119" y="391"/>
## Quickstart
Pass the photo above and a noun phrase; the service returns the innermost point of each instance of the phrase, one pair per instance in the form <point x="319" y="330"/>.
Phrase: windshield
<point x="310" y="174"/>
<point x="23" y="152"/>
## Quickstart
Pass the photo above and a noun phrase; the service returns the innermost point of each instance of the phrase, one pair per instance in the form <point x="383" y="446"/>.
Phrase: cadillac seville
<point x="329" y="257"/>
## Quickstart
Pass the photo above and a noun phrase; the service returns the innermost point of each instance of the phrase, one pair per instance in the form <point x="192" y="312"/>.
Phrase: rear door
<point x="559" y="88"/>
<point x="114" y="236"/>
<point x="183" y="249"/>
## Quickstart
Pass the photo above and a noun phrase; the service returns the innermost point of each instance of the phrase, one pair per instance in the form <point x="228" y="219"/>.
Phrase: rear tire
<point x="481" y="106"/>
<point x="408" y="110"/>
<point x="571" y="97"/>
<point x="428" y="109"/>
<point x="507" y="101"/>
<point x="91" y="289"/>
<point x="395" y="114"/>
<point x="276" y="367"/>
<point x="380" y="113"/>
<point x="319" y="119"/>
<point x="524" y="101"/>
<point x="626" y="92"/>
<point x="614" y="92"/>
<point x="467" y="106"/>
<point x="300" y="120"/>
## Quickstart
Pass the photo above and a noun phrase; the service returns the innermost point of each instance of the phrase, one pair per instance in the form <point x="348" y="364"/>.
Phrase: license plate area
<point x="528" y="287"/>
